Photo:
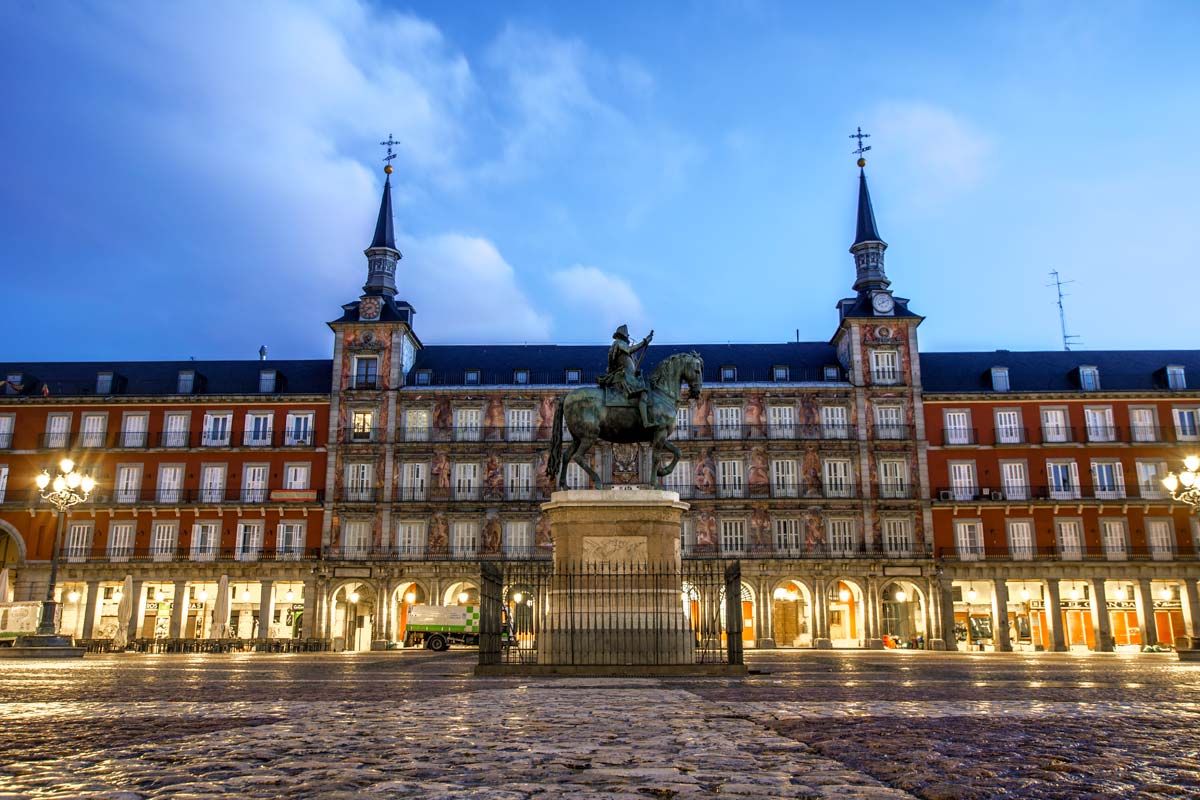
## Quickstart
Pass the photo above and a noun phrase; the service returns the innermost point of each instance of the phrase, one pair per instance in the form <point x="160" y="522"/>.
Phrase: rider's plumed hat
<point x="622" y="333"/>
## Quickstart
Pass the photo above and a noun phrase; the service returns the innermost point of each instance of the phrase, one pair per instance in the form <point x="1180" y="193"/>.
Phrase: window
<point x="1008" y="427"/>
<point x="78" y="545"/>
<point x="120" y="541"/>
<point x="128" y="483"/>
<point x="574" y="375"/>
<point x="416" y="425"/>
<point x="258" y="429"/>
<point x="170" y="484"/>
<point x="833" y="422"/>
<point x="471" y="377"/>
<point x="216" y="429"/>
<point x="1063" y="477"/>
<point x="576" y="477"/>
<point x="356" y="538"/>
<point x="1160" y="538"/>
<point x="413" y="481"/>
<point x="520" y="376"/>
<point x="1014" y="480"/>
<point x="295" y="477"/>
<point x="1000" y="379"/>
<point x="968" y="540"/>
<point x="410" y="538"/>
<point x="517" y="539"/>
<point x="104" y="383"/>
<point x="889" y="422"/>
<point x="680" y="479"/>
<point x="464" y="539"/>
<point x="843" y="539"/>
<point x="362" y="426"/>
<point x="779" y="373"/>
<point x="962" y="480"/>
<point x="788" y="536"/>
<point x="289" y="540"/>
<point x="299" y="429"/>
<point x="781" y="422"/>
<point x="249" y="541"/>
<point x="164" y="537"/>
<point x="58" y="427"/>
<point x="206" y="537"/>
<point x="186" y="383"/>
<point x="958" y="427"/>
<point x="1089" y="378"/>
<point x="1112" y="534"/>
<point x="1099" y="423"/>
<point x="893" y="477"/>
<point x="366" y="372"/>
<point x="1108" y="480"/>
<point x="360" y="479"/>
<point x="133" y="430"/>
<point x="466" y="481"/>
<point x="837" y="477"/>
<point x="733" y="536"/>
<point x="1185" y="424"/>
<point x="687" y="536"/>
<point x="1054" y="425"/>
<point x="175" y="430"/>
<point x="885" y="366"/>
<point x="1149" y="478"/>
<point x="14" y="382"/>
<point x="832" y="373"/>
<point x="424" y="377"/>
<point x="3" y="489"/>
<point x="1176" y="379"/>
<point x="212" y="483"/>
<point x="91" y="430"/>
<point x="254" y="483"/>
<point x="1020" y="539"/>
<point x="897" y="536"/>
<point x="784" y="482"/>
<point x="729" y="422"/>
<point x="1142" y="425"/>
<point x="266" y="381"/>
<point x="730" y="480"/>
<point x="683" y="423"/>
<point x="468" y="424"/>
<point x="728" y="374"/>
<point x="518" y="480"/>
<point x="520" y="424"/>
<point x="6" y="430"/>
<point x="1070" y="539"/>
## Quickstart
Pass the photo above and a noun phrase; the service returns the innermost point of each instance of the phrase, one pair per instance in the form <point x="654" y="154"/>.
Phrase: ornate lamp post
<point x="66" y="489"/>
<point x="1185" y="487"/>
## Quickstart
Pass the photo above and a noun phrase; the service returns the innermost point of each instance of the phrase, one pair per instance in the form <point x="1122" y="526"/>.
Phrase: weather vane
<point x="391" y="142"/>
<point x="860" y="136"/>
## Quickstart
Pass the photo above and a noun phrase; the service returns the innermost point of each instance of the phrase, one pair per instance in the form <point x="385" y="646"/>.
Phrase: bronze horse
<point x="590" y="420"/>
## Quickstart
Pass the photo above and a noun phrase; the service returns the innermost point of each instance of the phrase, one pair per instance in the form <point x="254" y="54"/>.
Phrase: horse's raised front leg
<point x="571" y="451"/>
<point x="676" y="453"/>
<point x="585" y="446"/>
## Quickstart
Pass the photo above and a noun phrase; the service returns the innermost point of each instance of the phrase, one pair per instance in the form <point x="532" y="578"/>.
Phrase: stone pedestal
<point x="614" y="597"/>
<point x="821" y="643"/>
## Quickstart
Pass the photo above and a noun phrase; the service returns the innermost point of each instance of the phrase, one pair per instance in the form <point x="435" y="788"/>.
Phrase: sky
<point x="199" y="179"/>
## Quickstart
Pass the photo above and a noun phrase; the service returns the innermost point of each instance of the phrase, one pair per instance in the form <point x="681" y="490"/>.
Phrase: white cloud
<point x="943" y="154"/>
<point x="596" y="300"/>
<point x="464" y="291"/>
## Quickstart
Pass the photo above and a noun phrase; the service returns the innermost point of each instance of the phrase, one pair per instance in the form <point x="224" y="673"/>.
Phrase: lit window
<point x="779" y="373"/>
<point x="521" y="376"/>
<point x="104" y="382"/>
<point x="1176" y="379"/>
<point x="728" y="374"/>
<point x="187" y="382"/>
<point x="1089" y="378"/>
<point x="362" y="425"/>
<point x="470" y="377"/>
<point x="574" y="375"/>
<point x="1000" y="379"/>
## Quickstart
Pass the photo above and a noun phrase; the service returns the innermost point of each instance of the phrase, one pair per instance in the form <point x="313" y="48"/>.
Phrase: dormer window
<point x="1176" y="378"/>
<point x="1089" y="379"/>
<point x="728" y="374"/>
<point x="832" y="373"/>
<point x="521" y="376"/>
<point x="266" y="381"/>
<point x="424" y="377"/>
<point x="186" y="383"/>
<point x="14" y="382"/>
<point x="104" y="382"/>
<point x="779" y="373"/>
<point x="574" y="376"/>
<point x="1000" y="379"/>
<point x="471" y="377"/>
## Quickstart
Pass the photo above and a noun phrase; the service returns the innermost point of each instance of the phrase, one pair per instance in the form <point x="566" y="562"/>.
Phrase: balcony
<point x="356" y="494"/>
<point x="894" y="432"/>
<point x="1058" y="553"/>
<point x="796" y="432"/>
<point x="361" y="435"/>
<point x="95" y="555"/>
<point x="173" y="439"/>
<point x="1026" y="493"/>
<point x="6" y="440"/>
<point x="955" y="437"/>
<point x="201" y="497"/>
<point x="886" y="377"/>
<point x="256" y="438"/>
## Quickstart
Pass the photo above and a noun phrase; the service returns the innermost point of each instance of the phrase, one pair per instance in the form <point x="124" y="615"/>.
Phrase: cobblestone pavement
<point x="806" y="725"/>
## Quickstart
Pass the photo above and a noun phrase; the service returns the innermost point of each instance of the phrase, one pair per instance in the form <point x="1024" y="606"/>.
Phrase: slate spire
<point x="382" y="255"/>
<point x="866" y="230"/>
<point x="868" y="245"/>
<point x="384" y="233"/>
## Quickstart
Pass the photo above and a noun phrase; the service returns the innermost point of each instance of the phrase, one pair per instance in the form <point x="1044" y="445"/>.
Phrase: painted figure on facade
<point x="625" y="409"/>
<point x="705" y="474"/>
<point x="493" y="478"/>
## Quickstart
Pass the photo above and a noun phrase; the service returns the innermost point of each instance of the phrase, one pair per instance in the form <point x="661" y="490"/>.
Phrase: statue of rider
<point x="623" y="370"/>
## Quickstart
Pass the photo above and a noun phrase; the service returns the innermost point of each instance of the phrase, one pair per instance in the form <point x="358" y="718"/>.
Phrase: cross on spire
<point x="860" y="136"/>
<point x="391" y="142"/>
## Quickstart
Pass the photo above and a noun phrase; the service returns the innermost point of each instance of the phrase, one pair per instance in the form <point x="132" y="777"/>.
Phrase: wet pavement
<point x="805" y="725"/>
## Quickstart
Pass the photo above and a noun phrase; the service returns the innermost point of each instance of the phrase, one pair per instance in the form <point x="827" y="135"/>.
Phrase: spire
<point x="384" y="233"/>
<point x="866" y="231"/>
<point x="382" y="255"/>
<point x="868" y="246"/>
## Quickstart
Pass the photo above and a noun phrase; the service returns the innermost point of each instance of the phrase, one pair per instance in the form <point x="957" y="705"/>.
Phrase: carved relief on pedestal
<point x="614" y="550"/>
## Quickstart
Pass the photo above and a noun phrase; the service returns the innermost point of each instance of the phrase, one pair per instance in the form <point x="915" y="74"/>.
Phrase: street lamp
<point x="1185" y="487"/>
<point x="66" y="489"/>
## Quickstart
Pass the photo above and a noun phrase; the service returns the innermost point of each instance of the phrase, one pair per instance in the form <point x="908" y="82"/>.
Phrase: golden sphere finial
<point x="862" y="162"/>
<point x="388" y="169"/>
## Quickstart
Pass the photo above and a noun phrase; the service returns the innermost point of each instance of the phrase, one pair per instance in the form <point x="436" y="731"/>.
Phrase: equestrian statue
<point x="625" y="408"/>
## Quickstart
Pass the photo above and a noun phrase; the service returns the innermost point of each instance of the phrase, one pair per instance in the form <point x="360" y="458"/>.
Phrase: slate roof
<point x="141" y="378"/>
<point x="392" y="310"/>
<point x="547" y="364"/>
<point x="1057" y="370"/>
<point x="384" y="233"/>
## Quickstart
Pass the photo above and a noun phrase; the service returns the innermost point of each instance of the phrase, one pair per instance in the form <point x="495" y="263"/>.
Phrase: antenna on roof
<point x="1062" y="315"/>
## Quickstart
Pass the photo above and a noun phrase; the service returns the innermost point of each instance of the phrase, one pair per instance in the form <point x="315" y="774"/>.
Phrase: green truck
<point x="437" y="627"/>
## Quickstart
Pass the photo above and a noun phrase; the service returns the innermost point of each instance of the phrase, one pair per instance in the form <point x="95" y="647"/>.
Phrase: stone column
<point x="308" y="623"/>
<point x="1190" y="600"/>
<point x="1054" y="618"/>
<point x="90" y="602"/>
<point x="821" y="615"/>
<point x="946" y="599"/>
<point x="178" y="606"/>
<point x="1145" y="612"/>
<point x="764" y="631"/>
<point x="873" y="601"/>
<point x="1000" y="638"/>
<point x="1101" y="621"/>
<point x="137" y="606"/>
<point x="266" y="608"/>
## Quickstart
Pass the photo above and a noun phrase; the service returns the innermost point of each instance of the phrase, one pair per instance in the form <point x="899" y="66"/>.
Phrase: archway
<point x="903" y="615"/>
<point x="791" y="614"/>
<point x="461" y="593"/>
<point x="844" y="599"/>
<point x="352" y="616"/>
<point x="407" y="593"/>
<point x="12" y="554"/>
<point x="747" y="615"/>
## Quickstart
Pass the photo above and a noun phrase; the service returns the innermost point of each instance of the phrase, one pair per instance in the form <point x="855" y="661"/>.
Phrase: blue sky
<point x="198" y="179"/>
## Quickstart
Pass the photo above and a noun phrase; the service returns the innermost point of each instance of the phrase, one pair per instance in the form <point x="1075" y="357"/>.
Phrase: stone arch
<point x="450" y="595"/>
<point x="18" y="542"/>
<point x="793" y="612"/>
<point x="846" y="611"/>
<point x="904" y="622"/>
<point x="347" y="620"/>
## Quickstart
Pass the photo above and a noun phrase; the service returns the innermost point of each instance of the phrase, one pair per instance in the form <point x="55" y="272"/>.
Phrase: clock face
<point x="368" y="308"/>
<point x="882" y="303"/>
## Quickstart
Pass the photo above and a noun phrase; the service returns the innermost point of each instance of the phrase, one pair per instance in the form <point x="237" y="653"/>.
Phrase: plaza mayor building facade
<point x="875" y="494"/>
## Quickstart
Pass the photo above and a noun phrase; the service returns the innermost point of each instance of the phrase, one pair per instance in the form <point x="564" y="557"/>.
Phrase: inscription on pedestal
<point x="614" y="550"/>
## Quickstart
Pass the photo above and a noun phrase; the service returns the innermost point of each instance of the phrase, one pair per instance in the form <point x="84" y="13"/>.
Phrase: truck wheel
<point x="437" y="643"/>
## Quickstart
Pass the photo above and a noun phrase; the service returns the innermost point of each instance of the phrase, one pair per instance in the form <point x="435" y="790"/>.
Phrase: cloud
<point x="596" y="300"/>
<point x="465" y="292"/>
<point x="943" y="154"/>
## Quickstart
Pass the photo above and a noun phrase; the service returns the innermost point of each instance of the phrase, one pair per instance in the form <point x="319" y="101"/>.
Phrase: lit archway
<point x="792" y="614"/>
<point x="846" y="617"/>
<point x="903" y="614"/>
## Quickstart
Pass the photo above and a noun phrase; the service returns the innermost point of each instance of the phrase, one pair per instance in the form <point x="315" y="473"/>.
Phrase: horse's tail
<point x="554" y="462"/>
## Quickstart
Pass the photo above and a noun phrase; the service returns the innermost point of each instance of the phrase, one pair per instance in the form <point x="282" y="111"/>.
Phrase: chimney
<point x="262" y="353"/>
